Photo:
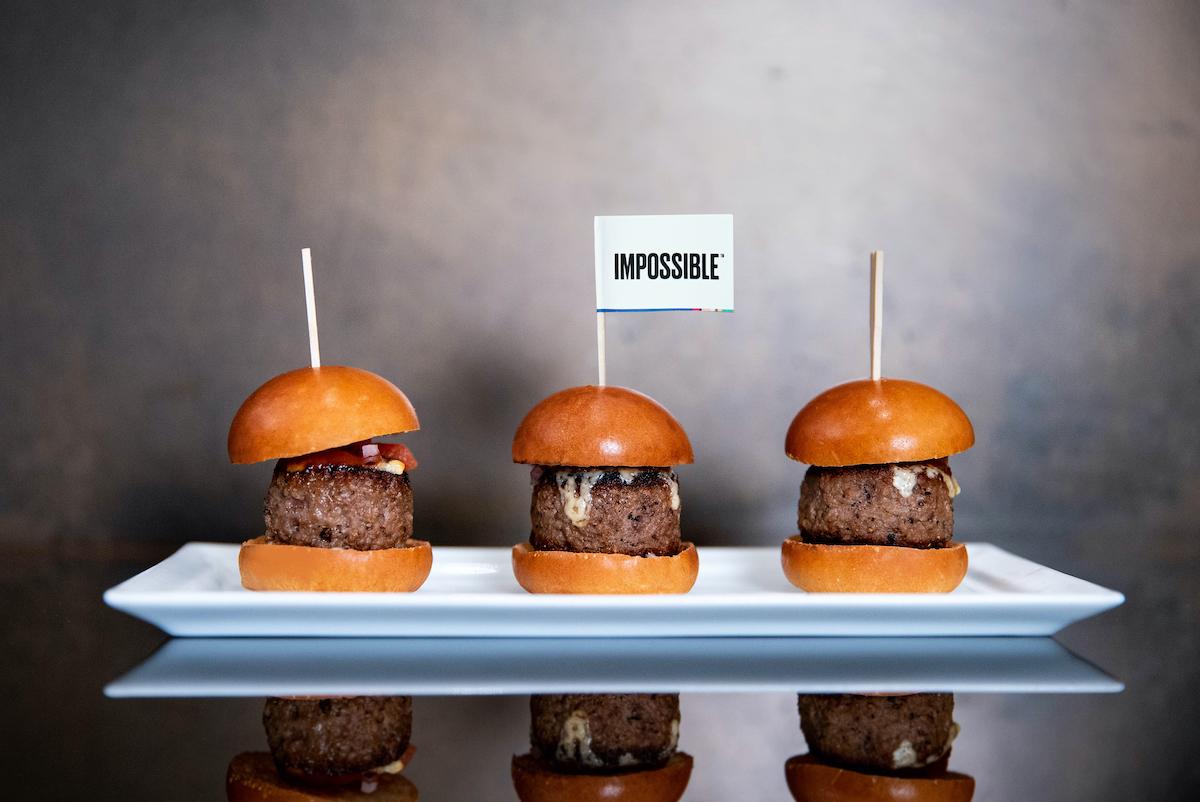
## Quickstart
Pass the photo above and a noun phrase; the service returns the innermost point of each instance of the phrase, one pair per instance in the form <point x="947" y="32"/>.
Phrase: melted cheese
<point x="395" y="767"/>
<point x="904" y="756"/>
<point x="575" y="490"/>
<point x="904" y="478"/>
<point x="954" y="730"/>
<point x="951" y="484"/>
<point x="370" y="780"/>
<point x="575" y="741"/>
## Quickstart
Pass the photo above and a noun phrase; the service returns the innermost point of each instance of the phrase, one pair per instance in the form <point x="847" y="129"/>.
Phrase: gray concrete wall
<point x="1029" y="168"/>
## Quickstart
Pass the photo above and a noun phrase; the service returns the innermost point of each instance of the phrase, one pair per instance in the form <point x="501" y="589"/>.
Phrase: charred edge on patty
<point x="339" y="506"/>
<point x="584" y="733"/>
<point x="631" y="511"/>
<point x="332" y="738"/>
<point x="899" y="504"/>
<point x="880" y="733"/>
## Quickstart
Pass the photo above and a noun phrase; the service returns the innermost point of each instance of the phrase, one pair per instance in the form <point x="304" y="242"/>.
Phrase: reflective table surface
<point x="106" y="705"/>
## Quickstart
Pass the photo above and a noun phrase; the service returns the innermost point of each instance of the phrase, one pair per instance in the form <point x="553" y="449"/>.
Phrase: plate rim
<point x="126" y="595"/>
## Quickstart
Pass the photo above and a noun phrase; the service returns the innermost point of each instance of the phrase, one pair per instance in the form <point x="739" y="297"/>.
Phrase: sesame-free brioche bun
<point x="311" y="409"/>
<point x="544" y="571"/>
<point x="252" y="777"/>
<point x="534" y="781"/>
<point x="870" y="422"/>
<point x="280" y="566"/>
<point x="810" y="780"/>
<point x="823" y="568"/>
<point x="601" y="426"/>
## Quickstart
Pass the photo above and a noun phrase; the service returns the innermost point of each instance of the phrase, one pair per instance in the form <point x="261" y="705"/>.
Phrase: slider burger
<point x="877" y="749"/>
<point x="348" y="748"/>
<point x="605" y="508"/>
<point x="590" y="747"/>
<point x="338" y="512"/>
<point x="877" y="504"/>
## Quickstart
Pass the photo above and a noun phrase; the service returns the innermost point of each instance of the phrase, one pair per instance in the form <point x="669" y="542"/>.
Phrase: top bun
<point x="601" y="426"/>
<point x="875" y="422"/>
<point x="312" y="409"/>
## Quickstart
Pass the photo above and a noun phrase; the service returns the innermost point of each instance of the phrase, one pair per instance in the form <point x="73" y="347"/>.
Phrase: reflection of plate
<point x="429" y="666"/>
<point x="740" y="592"/>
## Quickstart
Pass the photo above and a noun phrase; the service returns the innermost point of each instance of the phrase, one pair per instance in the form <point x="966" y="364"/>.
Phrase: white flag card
<point x="664" y="263"/>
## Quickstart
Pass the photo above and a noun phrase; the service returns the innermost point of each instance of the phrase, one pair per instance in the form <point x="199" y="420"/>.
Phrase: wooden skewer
<point x="310" y="301"/>
<point x="600" y="357"/>
<point x="876" y="315"/>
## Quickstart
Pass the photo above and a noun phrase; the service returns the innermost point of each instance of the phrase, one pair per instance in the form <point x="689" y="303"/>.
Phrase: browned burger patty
<point x="636" y="513"/>
<point x="885" y="733"/>
<point x="332" y="737"/>
<point x="597" y="732"/>
<point x="865" y="504"/>
<point x="339" y="506"/>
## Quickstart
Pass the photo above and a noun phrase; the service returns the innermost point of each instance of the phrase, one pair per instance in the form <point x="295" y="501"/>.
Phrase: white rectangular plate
<point x="471" y="592"/>
<point x="216" y="667"/>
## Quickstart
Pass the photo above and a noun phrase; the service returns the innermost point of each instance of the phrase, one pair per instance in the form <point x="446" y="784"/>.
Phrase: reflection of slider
<point x="877" y="748"/>
<point x="346" y="749"/>
<point x="586" y="747"/>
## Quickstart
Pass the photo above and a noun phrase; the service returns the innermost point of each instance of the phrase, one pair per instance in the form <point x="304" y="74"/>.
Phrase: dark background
<point x="1031" y="169"/>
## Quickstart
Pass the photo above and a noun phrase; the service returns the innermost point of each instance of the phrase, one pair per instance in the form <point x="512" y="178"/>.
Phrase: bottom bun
<point x="820" y="568"/>
<point x="810" y="780"/>
<point x="252" y="778"/>
<point x="547" y="571"/>
<point x="276" y="566"/>
<point x="535" y="781"/>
